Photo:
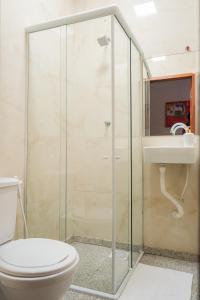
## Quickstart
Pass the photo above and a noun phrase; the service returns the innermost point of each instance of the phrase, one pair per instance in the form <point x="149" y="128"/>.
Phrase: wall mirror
<point x="171" y="100"/>
<point x="168" y="100"/>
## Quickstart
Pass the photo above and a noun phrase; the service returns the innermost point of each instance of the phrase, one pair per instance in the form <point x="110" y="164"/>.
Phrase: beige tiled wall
<point x="46" y="113"/>
<point x="88" y="103"/>
<point x="89" y="140"/>
<point x="15" y="16"/>
<point x="89" y="175"/>
<point x="161" y="230"/>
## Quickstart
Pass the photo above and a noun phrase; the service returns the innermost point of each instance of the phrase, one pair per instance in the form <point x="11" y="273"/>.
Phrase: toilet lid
<point x="36" y="257"/>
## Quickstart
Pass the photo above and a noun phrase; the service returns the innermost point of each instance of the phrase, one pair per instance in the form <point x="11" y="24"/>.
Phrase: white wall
<point x="175" y="64"/>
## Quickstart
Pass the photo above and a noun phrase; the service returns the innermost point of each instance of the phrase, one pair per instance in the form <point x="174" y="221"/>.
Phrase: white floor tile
<point x="153" y="283"/>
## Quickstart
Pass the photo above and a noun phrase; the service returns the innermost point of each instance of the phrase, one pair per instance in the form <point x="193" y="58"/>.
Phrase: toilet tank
<point x="8" y="208"/>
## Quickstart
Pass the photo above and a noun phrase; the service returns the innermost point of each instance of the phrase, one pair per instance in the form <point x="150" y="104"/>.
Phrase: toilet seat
<point x="36" y="257"/>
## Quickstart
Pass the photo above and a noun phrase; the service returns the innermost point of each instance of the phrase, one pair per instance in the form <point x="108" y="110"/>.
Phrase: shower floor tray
<point x="95" y="267"/>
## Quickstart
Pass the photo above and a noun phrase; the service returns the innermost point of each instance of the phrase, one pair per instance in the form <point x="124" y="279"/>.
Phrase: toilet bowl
<point x="36" y="269"/>
<point x="30" y="269"/>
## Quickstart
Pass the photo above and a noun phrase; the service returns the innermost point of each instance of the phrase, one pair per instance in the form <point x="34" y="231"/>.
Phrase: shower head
<point x="103" y="40"/>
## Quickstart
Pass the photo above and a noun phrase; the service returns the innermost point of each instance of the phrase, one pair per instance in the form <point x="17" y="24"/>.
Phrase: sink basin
<point x="169" y="154"/>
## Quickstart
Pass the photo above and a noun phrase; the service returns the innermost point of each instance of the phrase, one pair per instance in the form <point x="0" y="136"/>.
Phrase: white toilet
<point x="31" y="269"/>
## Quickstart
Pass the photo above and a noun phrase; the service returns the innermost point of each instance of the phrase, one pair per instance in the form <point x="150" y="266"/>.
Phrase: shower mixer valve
<point x="107" y="123"/>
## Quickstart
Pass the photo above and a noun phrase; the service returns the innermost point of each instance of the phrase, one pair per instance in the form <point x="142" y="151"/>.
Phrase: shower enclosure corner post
<point x="131" y="160"/>
<point x="26" y="123"/>
<point x="63" y="130"/>
<point x="113" y="153"/>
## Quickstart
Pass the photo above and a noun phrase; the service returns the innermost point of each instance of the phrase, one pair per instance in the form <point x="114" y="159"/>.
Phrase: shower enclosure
<point x="84" y="164"/>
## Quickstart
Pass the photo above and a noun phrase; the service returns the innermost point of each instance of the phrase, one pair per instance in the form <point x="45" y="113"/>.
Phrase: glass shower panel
<point x="79" y="147"/>
<point x="89" y="151"/>
<point x="137" y="175"/>
<point x="122" y="157"/>
<point x="46" y="136"/>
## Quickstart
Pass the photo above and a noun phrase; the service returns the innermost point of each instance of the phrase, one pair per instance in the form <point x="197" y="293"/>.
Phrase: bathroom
<point x="81" y="130"/>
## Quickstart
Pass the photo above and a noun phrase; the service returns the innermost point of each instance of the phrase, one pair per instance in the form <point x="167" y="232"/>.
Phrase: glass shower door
<point x="46" y="135"/>
<point x="137" y="150"/>
<point x="89" y="151"/>
<point x="79" y="146"/>
<point x="122" y="155"/>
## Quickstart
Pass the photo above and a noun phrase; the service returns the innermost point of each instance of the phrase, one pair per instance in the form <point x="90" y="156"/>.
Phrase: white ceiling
<point x="175" y="26"/>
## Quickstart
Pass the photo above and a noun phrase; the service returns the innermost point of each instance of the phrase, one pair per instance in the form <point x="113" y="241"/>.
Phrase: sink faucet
<point x="177" y="126"/>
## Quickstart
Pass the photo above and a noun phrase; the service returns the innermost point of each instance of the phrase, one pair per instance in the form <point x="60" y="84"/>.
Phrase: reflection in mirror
<point x="171" y="101"/>
<point x="146" y="101"/>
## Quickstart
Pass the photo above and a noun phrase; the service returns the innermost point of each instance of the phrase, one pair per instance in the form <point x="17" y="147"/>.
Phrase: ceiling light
<point x="145" y="9"/>
<point x="158" y="58"/>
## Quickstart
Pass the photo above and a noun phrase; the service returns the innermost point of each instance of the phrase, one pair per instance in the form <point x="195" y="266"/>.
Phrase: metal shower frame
<point x="114" y="12"/>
